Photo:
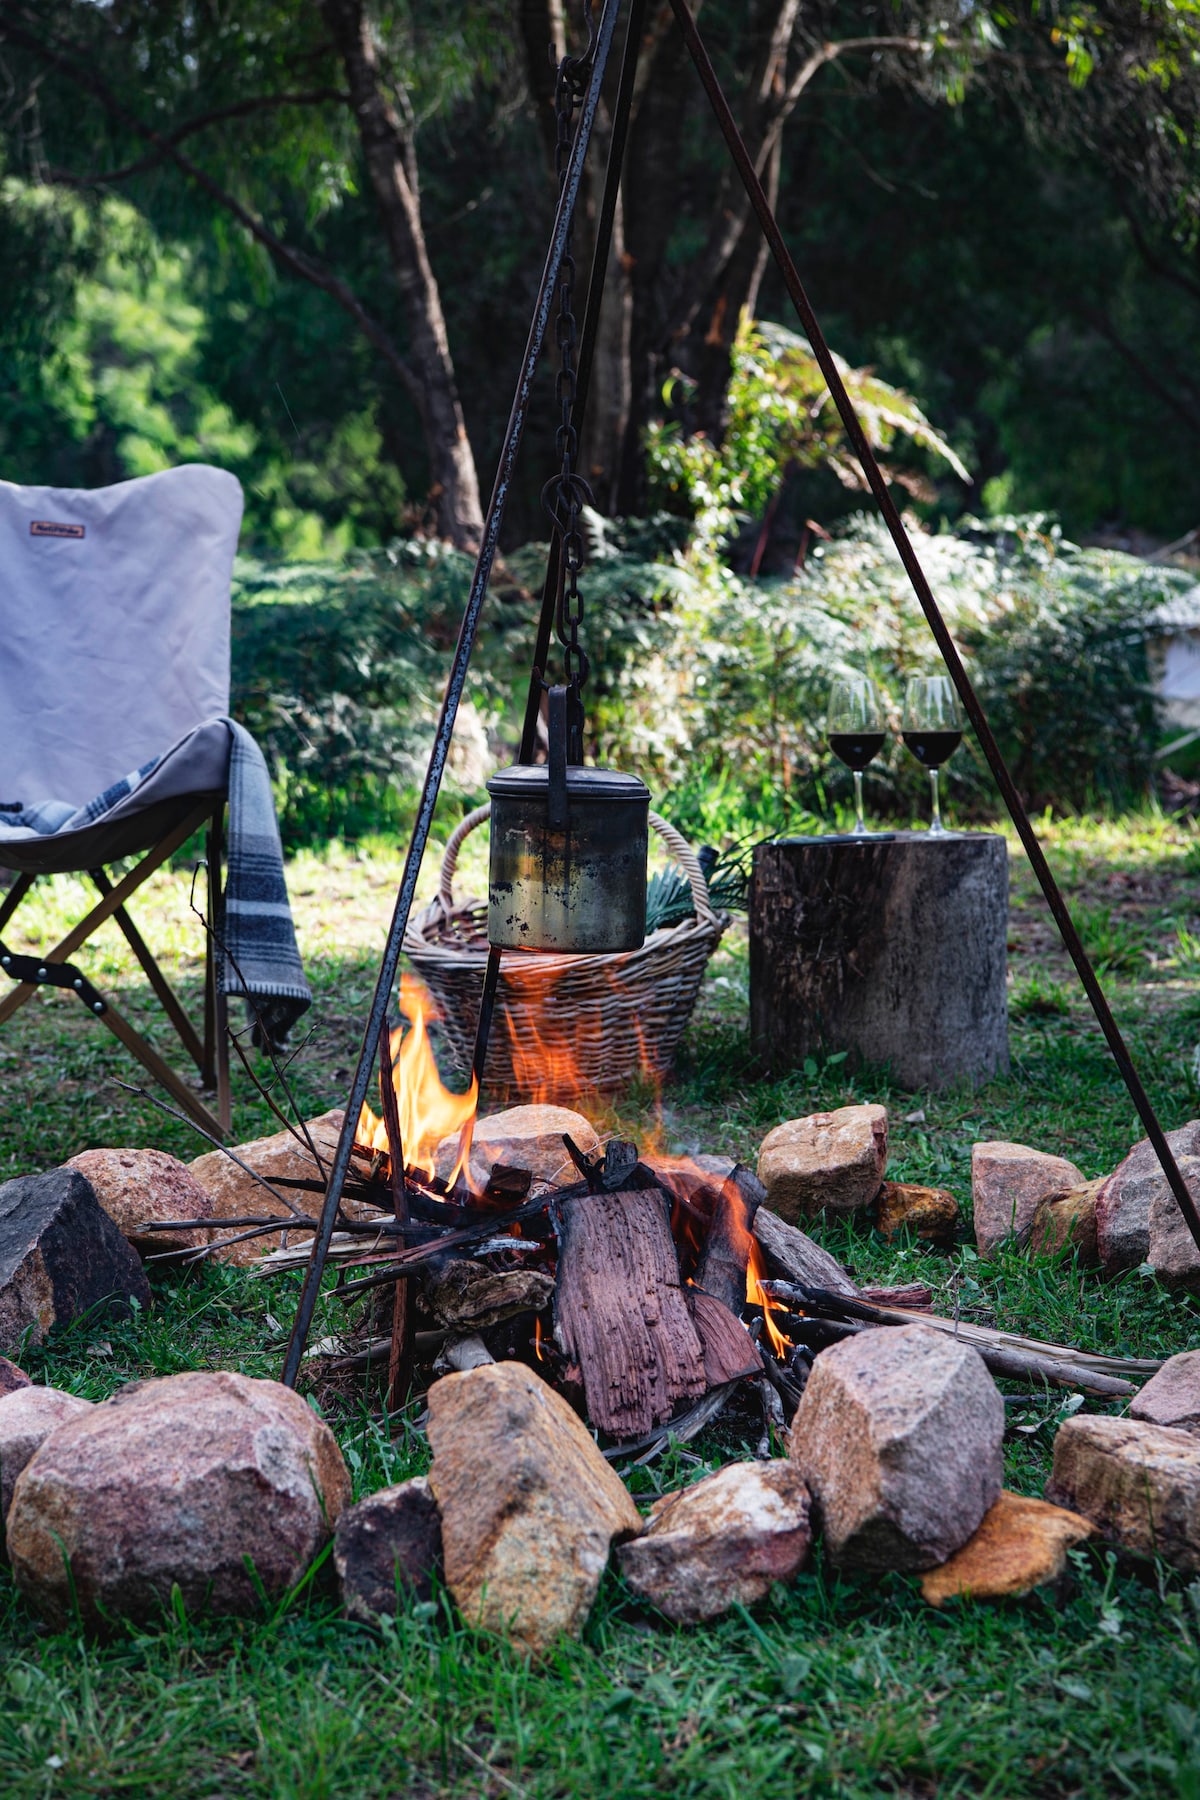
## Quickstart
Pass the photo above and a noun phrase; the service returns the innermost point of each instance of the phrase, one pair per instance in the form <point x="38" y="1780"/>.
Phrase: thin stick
<point x="173" y="1113"/>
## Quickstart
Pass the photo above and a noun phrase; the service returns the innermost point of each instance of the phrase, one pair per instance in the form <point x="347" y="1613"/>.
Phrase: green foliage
<point x="1061" y="665"/>
<point x="780" y="415"/>
<point x="339" y="670"/>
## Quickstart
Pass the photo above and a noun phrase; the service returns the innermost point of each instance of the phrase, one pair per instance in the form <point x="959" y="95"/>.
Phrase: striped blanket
<point x="257" y="939"/>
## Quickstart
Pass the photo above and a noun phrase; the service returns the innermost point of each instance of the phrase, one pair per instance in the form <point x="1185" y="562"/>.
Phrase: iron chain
<point x="567" y="493"/>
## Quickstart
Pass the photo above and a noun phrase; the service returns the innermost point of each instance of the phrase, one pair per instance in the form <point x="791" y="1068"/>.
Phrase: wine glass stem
<point x="936" y="821"/>
<point x="859" y="823"/>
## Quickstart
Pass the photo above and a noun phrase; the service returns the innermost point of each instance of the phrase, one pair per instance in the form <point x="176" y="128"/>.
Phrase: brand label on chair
<point x="53" y="528"/>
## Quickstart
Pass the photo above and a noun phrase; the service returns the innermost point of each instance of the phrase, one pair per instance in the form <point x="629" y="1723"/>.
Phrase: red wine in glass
<point x="932" y="728"/>
<point x="856" y="729"/>
<point x="932" y="748"/>
<point x="856" y="748"/>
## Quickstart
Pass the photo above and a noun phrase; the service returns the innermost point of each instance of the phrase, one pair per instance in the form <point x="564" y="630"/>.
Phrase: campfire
<point x="648" y="1289"/>
<point x="630" y="1279"/>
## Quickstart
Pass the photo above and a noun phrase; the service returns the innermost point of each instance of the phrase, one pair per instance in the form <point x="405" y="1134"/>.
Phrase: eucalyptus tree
<point x="259" y="117"/>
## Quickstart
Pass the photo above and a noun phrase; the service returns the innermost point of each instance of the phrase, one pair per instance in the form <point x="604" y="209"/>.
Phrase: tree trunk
<point x="892" y="949"/>
<point x="391" y="165"/>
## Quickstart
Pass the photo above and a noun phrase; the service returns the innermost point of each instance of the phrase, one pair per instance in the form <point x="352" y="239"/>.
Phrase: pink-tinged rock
<point x="1171" y="1250"/>
<point x="899" y="1436"/>
<point x="1172" y="1397"/>
<point x="27" y="1419"/>
<point x="832" y="1162"/>
<point x="721" y="1542"/>
<point x="386" y="1547"/>
<point x="11" y="1378"/>
<point x="1123" y="1201"/>
<point x="1008" y="1183"/>
<point x="237" y="1195"/>
<point x="524" y="1137"/>
<point x="529" y="1506"/>
<point x="183" y="1481"/>
<point x="1139" y="1484"/>
<point x="141" y="1187"/>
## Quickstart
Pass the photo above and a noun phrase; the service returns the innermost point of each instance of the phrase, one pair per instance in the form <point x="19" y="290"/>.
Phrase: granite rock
<point x="179" y="1482"/>
<point x="140" y="1187"/>
<point x="827" y="1162"/>
<point x="1123" y="1200"/>
<point x="899" y="1436"/>
<point x="1172" y="1397"/>
<point x="1138" y="1483"/>
<point x="27" y="1419"/>
<point x="529" y="1506"/>
<point x="1008" y="1183"/>
<point x="721" y="1542"/>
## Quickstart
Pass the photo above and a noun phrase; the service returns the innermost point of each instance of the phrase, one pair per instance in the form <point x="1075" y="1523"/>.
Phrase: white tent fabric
<point x="106" y="655"/>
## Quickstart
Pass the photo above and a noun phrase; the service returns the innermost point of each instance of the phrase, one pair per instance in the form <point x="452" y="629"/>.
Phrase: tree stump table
<point x="891" y="948"/>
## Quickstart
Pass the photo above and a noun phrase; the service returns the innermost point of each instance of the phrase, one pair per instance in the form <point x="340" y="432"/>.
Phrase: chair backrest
<point x="114" y="625"/>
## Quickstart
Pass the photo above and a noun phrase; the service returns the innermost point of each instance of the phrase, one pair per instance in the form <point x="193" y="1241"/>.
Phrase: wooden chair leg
<point x="216" y="1011"/>
<point x="162" y="1071"/>
<point x="167" y="997"/>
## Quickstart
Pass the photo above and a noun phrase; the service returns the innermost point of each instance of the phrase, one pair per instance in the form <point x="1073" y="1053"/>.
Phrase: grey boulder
<point x="899" y="1437"/>
<point x="60" y="1256"/>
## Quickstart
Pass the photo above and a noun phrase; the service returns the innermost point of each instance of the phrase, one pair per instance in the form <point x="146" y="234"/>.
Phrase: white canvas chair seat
<point x="197" y="772"/>
<point x="114" y="646"/>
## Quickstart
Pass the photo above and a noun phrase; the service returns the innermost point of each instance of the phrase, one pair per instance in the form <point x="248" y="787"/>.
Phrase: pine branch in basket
<point x="726" y="875"/>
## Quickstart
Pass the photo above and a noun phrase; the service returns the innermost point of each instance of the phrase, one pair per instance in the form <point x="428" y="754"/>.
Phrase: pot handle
<point x="674" y="840"/>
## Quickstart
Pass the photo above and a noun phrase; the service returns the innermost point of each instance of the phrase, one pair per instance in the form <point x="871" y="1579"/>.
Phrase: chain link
<point x="567" y="493"/>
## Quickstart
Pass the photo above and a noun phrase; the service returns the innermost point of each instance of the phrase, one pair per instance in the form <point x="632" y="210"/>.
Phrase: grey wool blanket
<point x="257" y="939"/>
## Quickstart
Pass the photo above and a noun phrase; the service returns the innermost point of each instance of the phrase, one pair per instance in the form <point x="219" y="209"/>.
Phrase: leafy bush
<point x="712" y="685"/>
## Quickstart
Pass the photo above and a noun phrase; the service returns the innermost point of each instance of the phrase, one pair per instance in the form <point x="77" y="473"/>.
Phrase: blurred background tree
<point x="995" y="207"/>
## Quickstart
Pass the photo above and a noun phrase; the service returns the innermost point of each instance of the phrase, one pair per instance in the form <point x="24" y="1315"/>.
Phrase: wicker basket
<point x="564" y="1024"/>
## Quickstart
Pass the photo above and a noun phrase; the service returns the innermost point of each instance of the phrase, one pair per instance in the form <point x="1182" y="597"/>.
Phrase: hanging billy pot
<point x="568" y="853"/>
<point x="568" y="844"/>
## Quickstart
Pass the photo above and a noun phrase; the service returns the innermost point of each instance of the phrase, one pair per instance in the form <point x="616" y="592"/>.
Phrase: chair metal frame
<point x="209" y="1050"/>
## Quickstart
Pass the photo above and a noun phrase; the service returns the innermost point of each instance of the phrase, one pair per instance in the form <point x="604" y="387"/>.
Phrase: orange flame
<point x="537" y="1339"/>
<point x="428" y="1111"/>
<point x="756" y="1270"/>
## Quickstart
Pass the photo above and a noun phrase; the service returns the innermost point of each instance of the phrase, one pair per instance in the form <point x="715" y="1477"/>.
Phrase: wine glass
<point x="932" y="728"/>
<point x="856" y="728"/>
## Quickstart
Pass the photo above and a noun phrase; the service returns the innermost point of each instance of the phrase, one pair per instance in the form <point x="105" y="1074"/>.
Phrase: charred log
<point x="620" y="1312"/>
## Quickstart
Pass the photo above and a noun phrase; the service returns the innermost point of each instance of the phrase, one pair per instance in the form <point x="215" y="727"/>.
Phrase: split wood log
<point x="620" y="1313"/>
<point x="722" y="1268"/>
<point x="891" y="949"/>
<point x="792" y="1254"/>
<point x="728" y="1350"/>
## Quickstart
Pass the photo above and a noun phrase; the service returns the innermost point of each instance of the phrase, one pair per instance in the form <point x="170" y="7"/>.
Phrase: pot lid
<point x="532" y="781"/>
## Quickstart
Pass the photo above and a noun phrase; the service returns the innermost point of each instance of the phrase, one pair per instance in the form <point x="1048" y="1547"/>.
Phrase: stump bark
<point x="893" y="950"/>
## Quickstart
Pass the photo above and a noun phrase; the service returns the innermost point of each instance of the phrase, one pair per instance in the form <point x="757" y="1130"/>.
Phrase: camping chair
<point x="114" y="645"/>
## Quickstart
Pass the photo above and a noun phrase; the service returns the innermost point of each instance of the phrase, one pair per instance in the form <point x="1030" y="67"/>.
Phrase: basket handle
<point x="674" y="840"/>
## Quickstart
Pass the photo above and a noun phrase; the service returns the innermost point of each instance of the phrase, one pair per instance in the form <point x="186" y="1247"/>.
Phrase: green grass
<point x="832" y="1687"/>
